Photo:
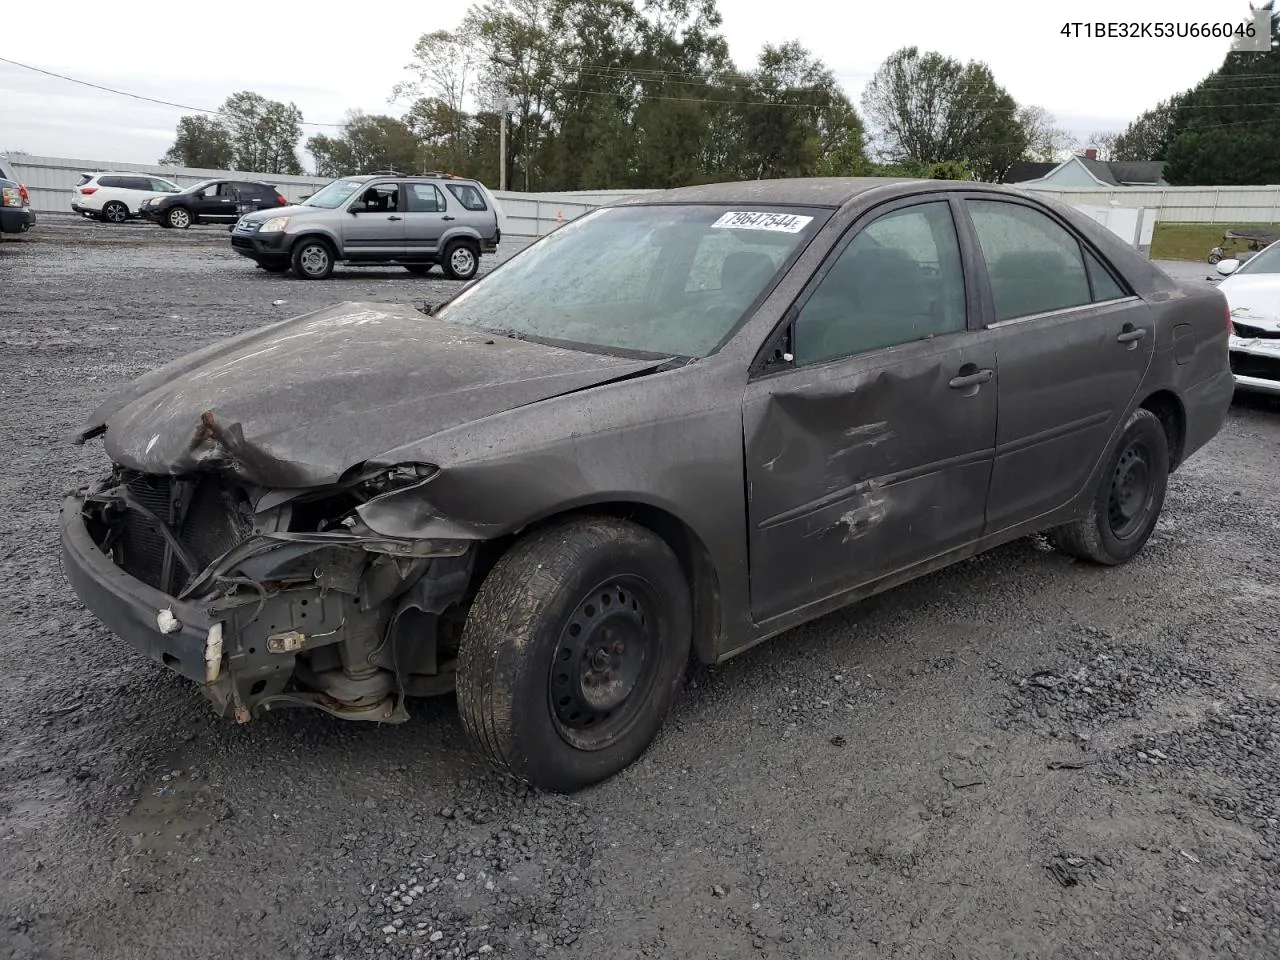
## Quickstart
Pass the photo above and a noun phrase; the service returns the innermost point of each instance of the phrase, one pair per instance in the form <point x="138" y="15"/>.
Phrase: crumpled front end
<point x="1255" y="352"/>
<point x="269" y="597"/>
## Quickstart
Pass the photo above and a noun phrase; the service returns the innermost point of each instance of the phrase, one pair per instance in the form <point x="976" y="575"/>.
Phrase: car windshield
<point x="1267" y="261"/>
<point x="332" y="195"/>
<point x="663" y="280"/>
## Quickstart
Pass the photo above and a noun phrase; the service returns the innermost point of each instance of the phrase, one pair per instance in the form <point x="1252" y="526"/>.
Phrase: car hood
<point x="1253" y="297"/>
<point x="293" y="210"/>
<point x="300" y="402"/>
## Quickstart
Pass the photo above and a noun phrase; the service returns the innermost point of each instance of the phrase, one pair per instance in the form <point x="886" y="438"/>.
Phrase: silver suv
<point x="416" y="222"/>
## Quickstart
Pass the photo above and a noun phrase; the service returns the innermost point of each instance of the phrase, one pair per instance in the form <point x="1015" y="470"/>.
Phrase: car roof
<point x="807" y="191"/>
<point x="366" y="177"/>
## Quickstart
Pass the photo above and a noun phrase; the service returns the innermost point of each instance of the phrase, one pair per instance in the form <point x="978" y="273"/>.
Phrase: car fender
<point x="658" y="438"/>
<point x="314" y="230"/>
<point x="460" y="233"/>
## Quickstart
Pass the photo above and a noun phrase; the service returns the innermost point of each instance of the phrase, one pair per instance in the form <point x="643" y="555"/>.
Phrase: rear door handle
<point x="394" y="218"/>
<point x="446" y="218"/>
<point x="971" y="379"/>
<point x="1131" y="336"/>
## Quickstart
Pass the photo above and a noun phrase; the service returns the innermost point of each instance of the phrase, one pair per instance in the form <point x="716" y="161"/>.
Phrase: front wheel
<point x="312" y="259"/>
<point x="574" y="651"/>
<point x="1129" y="498"/>
<point x="460" y="261"/>
<point x="179" y="218"/>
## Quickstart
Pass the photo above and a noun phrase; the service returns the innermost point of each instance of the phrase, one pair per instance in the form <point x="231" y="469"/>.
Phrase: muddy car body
<point x="781" y="397"/>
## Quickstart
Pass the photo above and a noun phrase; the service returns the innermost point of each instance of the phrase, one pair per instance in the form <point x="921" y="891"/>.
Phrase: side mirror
<point x="1228" y="267"/>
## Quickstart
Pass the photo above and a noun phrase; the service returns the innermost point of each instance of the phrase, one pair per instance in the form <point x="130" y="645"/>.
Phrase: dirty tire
<point x="1129" y="498"/>
<point x="312" y="259"/>
<point x="179" y="218"/>
<point x="115" y="212"/>
<point x="546" y="594"/>
<point x="461" y="260"/>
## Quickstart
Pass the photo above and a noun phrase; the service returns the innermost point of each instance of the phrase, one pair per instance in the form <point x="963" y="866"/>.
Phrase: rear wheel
<point x="461" y="261"/>
<point x="179" y="218"/>
<point x="574" y="651"/>
<point x="312" y="259"/>
<point x="1128" y="500"/>
<point x="115" y="212"/>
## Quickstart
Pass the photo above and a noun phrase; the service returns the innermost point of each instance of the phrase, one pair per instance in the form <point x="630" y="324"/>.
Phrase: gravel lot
<point x="1019" y="757"/>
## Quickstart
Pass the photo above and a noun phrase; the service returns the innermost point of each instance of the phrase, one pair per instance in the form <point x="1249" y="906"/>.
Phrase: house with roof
<point x="1086" y="170"/>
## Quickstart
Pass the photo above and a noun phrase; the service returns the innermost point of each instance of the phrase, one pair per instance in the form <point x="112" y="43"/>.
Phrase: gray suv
<point x="416" y="222"/>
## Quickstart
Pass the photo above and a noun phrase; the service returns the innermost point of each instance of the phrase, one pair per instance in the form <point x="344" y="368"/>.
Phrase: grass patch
<point x="1193" y="241"/>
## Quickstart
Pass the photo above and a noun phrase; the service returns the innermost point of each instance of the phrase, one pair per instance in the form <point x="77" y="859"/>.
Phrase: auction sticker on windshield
<point x="780" y="222"/>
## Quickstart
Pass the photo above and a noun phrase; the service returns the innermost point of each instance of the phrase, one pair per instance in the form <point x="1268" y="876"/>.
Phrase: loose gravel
<point x="1021" y="756"/>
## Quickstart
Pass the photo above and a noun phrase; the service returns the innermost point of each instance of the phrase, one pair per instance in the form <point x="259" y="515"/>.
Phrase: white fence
<point x="50" y="179"/>
<point x="1182" y="204"/>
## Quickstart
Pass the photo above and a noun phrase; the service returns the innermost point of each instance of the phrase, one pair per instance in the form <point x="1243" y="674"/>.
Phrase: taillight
<point x="87" y="191"/>
<point x="26" y="197"/>
<point x="281" y="200"/>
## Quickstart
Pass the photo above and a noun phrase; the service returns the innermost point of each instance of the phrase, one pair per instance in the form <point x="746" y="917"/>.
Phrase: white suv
<point x="115" y="197"/>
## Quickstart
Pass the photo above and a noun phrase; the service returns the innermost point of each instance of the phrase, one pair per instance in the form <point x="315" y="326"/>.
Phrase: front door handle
<point x="1131" y="335"/>
<point x="971" y="379"/>
<point x="394" y="218"/>
<point x="446" y="218"/>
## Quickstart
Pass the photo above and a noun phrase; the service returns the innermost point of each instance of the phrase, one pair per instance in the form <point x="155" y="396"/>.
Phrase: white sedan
<point x="1253" y="291"/>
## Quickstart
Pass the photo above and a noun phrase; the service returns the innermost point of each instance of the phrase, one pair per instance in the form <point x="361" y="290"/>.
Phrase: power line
<point x="138" y="96"/>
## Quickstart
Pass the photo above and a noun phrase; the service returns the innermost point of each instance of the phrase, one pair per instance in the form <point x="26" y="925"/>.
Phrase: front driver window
<point x="899" y="280"/>
<point x="383" y="198"/>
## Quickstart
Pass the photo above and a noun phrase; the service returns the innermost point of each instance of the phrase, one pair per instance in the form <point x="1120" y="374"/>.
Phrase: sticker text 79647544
<point x="746" y="220"/>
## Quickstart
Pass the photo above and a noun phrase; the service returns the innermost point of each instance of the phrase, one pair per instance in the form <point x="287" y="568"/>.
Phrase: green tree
<point x="263" y="133"/>
<point x="1149" y="135"/>
<point x="202" y="142"/>
<point x="1226" y="130"/>
<point x="927" y="108"/>
<point x="621" y="94"/>
<point x="367" y="143"/>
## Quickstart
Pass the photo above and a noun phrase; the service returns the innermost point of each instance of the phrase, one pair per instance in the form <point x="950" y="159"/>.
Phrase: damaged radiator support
<point x="304" y="623"/>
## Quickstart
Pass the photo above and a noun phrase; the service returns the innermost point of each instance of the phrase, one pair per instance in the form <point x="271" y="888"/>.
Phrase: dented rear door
<point x="871" y="449"/>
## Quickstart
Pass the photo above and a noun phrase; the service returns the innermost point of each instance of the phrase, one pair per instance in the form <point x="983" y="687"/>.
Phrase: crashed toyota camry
<point x="676" y="426"/>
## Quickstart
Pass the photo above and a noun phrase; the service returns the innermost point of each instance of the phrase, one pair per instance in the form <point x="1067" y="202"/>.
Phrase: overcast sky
<point x="329" y="63"/>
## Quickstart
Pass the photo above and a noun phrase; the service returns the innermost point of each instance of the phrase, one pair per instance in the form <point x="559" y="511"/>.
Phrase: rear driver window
<point x="467" y="195"/>
<point x="1035" y="265"/>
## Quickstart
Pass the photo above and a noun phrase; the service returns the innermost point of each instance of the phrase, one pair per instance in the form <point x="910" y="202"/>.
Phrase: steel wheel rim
<point x="314" y="259"/>
<point x="1132" y="490"/>
<point x="462" y="260"/>
<point x="605" y="663"/>
<point x="180" y="218"/>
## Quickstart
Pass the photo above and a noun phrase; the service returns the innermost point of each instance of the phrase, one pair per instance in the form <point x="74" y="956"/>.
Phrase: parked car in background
<point x="416" y="222"/>
<point x="116" y="197"/>
<point x="1253" y="291"/>
<point x="688" y="422"/>
<point x="16" y="215"/>
<point x="212" y="201"/>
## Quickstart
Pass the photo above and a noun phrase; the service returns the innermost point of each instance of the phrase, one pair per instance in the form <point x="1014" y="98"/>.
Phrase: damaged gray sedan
<point x="677" y="426"/>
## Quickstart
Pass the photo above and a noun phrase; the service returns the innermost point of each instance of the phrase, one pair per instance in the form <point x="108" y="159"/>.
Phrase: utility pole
<point x="504" y="108"/>
<point x="502" y="144"/>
